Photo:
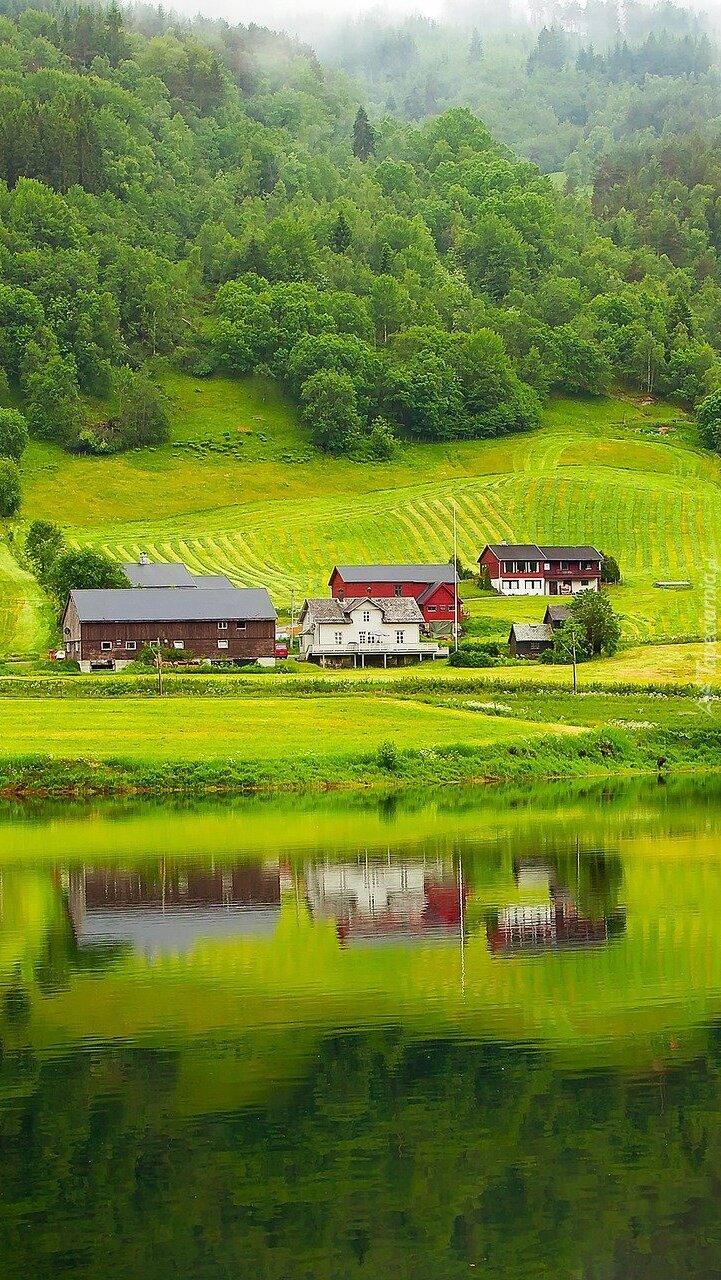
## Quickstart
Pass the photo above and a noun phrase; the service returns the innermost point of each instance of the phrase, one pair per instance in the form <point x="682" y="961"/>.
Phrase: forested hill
<point x="212" y="194"/>
<point x="560" y="95"/>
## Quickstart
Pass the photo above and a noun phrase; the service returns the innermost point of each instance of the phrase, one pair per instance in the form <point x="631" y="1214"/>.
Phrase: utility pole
<point x="159" y="665"/>
<point x="455" y="580"/>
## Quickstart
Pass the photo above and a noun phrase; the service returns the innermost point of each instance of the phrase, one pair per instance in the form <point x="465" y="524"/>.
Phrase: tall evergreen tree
<point x="364" y="141"/>
<point x="341" y="235"/>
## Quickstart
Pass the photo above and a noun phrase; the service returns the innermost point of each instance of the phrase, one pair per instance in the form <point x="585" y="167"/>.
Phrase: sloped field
<point x="624" y="477"/>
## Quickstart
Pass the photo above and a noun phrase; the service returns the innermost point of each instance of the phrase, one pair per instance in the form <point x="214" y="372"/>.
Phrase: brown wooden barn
<point x="107" y="629"/>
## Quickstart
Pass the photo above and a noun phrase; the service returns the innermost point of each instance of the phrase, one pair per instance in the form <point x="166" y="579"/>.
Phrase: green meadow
<point x="240" y="490"/>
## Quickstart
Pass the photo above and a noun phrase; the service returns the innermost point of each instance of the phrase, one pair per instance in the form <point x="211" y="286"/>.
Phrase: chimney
<point x="143" y="558"/>
<point x="504" y="542"/>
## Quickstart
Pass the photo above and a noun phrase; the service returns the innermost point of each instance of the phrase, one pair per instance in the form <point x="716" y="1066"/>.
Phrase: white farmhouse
<point x="360" y="631"/>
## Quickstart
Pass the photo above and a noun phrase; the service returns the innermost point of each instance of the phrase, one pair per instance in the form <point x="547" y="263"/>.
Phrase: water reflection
<point x="386" y="901"/>
<point x="408" y="1042"/>
<point x="169" y="909"/>
<point x="555" y="915"/>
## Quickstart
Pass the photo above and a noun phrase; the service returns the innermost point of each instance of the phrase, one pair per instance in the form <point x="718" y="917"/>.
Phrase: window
<point x="584" y="582"/>
<point x="431" y="608"/>
<point x="366" y="615"/>
<point x="178" y="644"/>
<point x="513" y="586"/>
<point x="131" y="644"/>
<point x="507" y="566"/>
<point x="362" y="637"/>
<point x="106" y="645"/>
<point x="339" y="637"/>
<point x="241" y="626"/>
<point x="400" y="637"/>
<point x="398" y="589"/>
<point x="222" y="644"/>
<point x="222" y="626"/>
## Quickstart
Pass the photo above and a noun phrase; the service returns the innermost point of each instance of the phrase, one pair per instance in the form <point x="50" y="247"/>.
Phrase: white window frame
<point x="222" y="626"/>
<point x="366" y="615"/>
<point x="241" y="626"/>
<point x="400" y="637"/>
<point x="106" y="646"/>
<point x="131" y="645"/>
<point x="362" y="637"/>
<point x="222" y="644"/>
<point x="178" y="644"/>
<point x="339" y="637"/>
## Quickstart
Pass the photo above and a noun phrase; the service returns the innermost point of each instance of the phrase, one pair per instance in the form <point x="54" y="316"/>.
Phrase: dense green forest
<point x="212" y="194"/>
<point x="560" y="94"/>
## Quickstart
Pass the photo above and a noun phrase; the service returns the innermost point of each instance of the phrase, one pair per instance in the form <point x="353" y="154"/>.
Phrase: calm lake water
<point x="470" y="1033"/>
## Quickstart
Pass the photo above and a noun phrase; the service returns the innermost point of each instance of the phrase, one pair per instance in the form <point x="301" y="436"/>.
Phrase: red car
<point x="281" y="651"/>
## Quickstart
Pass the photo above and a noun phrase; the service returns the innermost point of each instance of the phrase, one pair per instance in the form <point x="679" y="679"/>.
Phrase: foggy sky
<point x="309" y="18"/>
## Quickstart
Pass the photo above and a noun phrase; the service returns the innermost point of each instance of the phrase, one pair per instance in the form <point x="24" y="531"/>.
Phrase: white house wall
<point x="374" y="629"/>
<point x="537" y="587"/>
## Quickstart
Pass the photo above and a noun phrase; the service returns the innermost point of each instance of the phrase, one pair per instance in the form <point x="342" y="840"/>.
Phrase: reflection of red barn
<point x="384" y="901"/>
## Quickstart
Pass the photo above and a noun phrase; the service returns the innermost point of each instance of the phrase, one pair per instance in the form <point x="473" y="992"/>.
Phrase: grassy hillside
<point x="240" y="490"/>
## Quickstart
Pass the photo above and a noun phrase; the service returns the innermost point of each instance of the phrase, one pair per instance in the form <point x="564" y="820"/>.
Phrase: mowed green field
<point x="240" y="491"/>
<point x="267" y="729"/>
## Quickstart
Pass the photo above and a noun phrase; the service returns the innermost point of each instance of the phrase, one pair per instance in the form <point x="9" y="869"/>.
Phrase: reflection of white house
<point x="367" y="629"/>
<point x="380" y="899"/>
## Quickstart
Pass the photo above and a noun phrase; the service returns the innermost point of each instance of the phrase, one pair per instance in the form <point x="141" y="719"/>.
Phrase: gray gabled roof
<point x="158" y="575"/>
<point x="149" y="604"/>
<point x="325" y="610"/>
<point x="357" y="573"/>
<point x="211" y="581"/>
<point x="393" y="608"/>
<point x="558" y="612"/>
<point x="532" y="551"/>
<point x="514" y="550"/>
<point x="572" y="553"/>
<point x="525" y="631"/>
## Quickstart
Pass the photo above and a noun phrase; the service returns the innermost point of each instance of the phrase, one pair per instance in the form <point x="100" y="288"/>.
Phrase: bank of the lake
<point x="406" y="745"/>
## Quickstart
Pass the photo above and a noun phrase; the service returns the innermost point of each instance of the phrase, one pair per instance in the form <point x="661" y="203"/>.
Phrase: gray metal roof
<point x="514" y="550"/>
<point x="558" y="612"/>
<point x="149" y="604"/>
<point x="525" y="631"/>
<point x="572" y="553"/>
<point x="158" y="575"/>
<point x="532" y="551"/>
<point x="211" y="581"/>
<point x="357" y="573"/>
<point x="393" y="608"/>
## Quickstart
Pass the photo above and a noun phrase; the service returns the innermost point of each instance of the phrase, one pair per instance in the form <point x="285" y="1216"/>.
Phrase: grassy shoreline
<point x="593" y="754"/>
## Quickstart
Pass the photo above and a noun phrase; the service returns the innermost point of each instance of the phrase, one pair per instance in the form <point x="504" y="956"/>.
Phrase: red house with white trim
<point x="434" y="586"/>
<point x="530" y="570"/>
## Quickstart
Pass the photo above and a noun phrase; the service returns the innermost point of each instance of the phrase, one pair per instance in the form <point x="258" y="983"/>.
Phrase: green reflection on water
<point x="334" y="1037"/>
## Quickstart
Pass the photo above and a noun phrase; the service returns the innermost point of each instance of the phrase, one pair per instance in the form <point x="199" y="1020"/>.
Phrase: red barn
<point x="434" y="586"/>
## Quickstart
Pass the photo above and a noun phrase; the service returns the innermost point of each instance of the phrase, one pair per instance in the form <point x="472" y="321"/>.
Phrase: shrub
<point x="13" y="434"/>
<point x="9" y="487"/>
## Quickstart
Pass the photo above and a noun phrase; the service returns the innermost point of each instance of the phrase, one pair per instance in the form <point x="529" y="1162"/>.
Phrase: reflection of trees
<point x="387" y="1160"/>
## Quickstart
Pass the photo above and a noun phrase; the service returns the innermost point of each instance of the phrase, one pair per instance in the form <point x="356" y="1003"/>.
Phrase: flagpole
<point x="455" y="580"/>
